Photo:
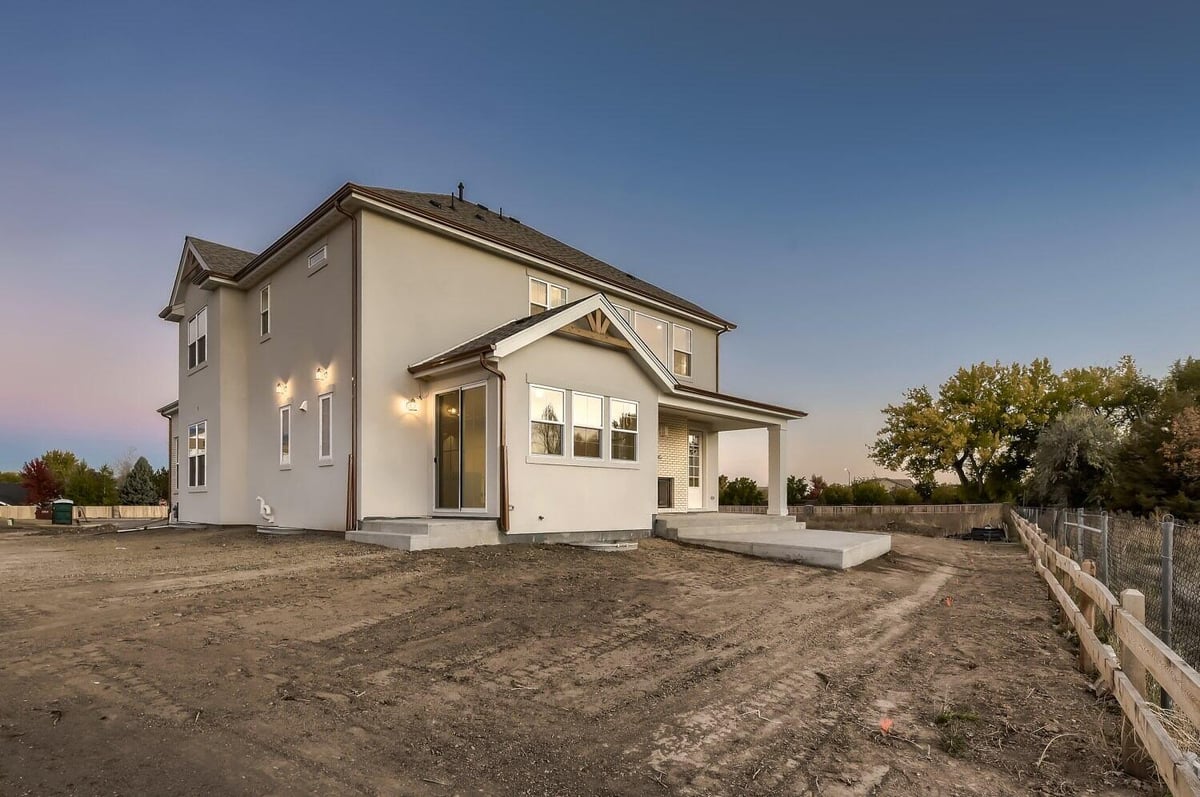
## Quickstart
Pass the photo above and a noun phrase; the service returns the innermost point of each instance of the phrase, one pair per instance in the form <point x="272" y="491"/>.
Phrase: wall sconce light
<point x="321" y="374"/>
<point x="413" y="405"/>
<point x="281" y="387"/>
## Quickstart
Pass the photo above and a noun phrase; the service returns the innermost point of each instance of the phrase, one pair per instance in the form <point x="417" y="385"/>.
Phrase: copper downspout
<point x="503" y="443"/>
<point x="352" y="463"/>
<point x="720" y="332"/>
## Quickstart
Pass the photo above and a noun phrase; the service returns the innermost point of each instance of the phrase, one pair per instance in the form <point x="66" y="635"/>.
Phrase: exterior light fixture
<point x="321" y="374"/>
<point x="413" y="405"/>
<point x="281" y="387"/>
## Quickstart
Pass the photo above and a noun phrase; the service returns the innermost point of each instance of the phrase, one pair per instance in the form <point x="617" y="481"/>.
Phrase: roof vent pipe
<point x="460" y="190"/>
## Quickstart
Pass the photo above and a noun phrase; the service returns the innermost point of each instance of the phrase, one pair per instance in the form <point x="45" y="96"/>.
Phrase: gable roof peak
<point x="219" y="258"/>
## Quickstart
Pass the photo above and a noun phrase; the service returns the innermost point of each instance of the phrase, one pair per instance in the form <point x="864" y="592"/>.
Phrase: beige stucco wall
<point x="199" y="400"/>
<point x="423" y="293"/>
<point x="310" y="327"/>
<point x="235" y="392"/>
<point x="552" y="494"/>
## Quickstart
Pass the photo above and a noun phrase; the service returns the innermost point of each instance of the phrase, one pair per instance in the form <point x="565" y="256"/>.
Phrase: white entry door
<point x="695" y="463"/>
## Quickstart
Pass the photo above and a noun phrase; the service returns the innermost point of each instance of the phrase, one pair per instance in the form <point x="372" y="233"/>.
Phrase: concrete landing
<point x="834" y="549"/>
<point x="422" y="534"/>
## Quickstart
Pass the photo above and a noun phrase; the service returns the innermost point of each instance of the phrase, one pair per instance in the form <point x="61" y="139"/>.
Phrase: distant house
<point x="892" y="485"/>
<point x="13" y="494"/>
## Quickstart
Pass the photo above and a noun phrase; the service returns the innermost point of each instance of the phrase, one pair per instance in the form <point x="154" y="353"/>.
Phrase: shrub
<point x="870" y="493"/>
<point x="837" y="494"/>
<point x="906" y="496"/>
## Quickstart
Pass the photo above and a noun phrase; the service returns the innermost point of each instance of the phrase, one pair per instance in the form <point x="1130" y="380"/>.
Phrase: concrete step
<point x="680" y="519"/>
<point x="421" y="534"/>
<point x="838" y="550"/>
<point x="676" y="526"/>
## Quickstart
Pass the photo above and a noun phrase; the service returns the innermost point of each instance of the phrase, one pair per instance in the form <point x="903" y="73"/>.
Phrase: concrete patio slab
<point x="833" y="549"/>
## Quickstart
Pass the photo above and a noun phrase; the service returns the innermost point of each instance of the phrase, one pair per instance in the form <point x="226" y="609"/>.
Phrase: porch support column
<point x="777" y="470"/>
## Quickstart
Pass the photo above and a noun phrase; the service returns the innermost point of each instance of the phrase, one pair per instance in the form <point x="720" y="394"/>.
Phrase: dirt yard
<point x="222" y="662"/>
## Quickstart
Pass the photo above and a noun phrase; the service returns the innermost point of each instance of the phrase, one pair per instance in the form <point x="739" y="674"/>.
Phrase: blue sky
<point x="876" y="192"/>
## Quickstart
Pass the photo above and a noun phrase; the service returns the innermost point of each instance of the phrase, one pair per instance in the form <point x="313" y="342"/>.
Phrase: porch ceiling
<point x="716" y="421"/>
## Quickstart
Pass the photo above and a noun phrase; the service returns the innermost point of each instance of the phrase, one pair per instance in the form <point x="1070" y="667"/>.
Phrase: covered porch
<point x="690" y="421"/>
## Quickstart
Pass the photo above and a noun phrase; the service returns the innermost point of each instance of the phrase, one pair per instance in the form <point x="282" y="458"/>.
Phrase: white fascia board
<point x="212" y="282"/>
<point x="559" y="320"/>
<point x="711" y="406"/>
<point x="528" y="259"/>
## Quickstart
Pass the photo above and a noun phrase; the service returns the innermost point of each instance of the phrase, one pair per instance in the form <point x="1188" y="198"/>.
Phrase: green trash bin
<point x="62" y="512"/>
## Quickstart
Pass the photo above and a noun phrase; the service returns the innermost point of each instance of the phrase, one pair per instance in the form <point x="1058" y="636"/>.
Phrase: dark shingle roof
<point x="221" y="259"/>
<point x="487" y="340"/>
<point x="479" y="219"/>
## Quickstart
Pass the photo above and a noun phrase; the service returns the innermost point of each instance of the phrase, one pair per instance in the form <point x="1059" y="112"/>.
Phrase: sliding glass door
<point x="461" y="438"/>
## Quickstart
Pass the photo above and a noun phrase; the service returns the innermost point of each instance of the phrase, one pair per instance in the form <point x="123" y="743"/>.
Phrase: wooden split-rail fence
<point x="1085" y="602"/>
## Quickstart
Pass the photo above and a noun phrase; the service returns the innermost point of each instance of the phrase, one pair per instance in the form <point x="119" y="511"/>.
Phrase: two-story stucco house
<point x="407" y="355"/>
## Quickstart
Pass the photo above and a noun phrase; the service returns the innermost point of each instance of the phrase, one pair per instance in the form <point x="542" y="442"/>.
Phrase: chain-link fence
<point x="1157" y="556"/>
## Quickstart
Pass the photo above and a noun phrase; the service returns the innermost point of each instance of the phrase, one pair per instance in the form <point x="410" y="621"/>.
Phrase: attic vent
<point x="318" y="258"/>
<point x="435" y="203"/>
<point x="518" y="221"/>
<point x="481" y="207"/>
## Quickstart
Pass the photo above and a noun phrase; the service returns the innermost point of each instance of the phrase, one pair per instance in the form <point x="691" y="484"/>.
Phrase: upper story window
<point x="653" y="331"/>
<point x="325" y="429"/>
<point x="544" y="295"/>
<point x="197" y="339"/>
<point x="625" y="312"/>
<point x="546" y="419"/>
<point x="198" y="454"/>
<point x="682" y="344"/>
<point x="264" y="311"/>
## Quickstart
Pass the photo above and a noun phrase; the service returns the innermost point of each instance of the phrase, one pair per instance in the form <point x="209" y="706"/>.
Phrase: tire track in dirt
<point x="701" y="739"/>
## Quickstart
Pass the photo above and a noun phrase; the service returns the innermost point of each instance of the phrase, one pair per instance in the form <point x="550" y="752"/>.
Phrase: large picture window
<point x="197" y="339"/>
<point x="546" y="420"/>
<point x="653" y="331"/>
<point x="545" y="295"/>
<point x="682" y="344"/>
<point x="587" y="424"/>
<point x="624" y="420"/>
<point x="198" y="454"/>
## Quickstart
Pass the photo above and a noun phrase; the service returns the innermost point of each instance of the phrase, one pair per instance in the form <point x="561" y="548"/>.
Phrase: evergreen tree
<point x="139" y="488"/>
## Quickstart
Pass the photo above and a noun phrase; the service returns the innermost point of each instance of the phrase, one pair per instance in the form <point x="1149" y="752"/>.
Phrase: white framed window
<point x="285" y="436"/>
<point x="623" y="416"/>
<point x="587" y="425"/>
<point x="625" y="313"/>
<point x="652" y="331"/>
<point x="544" y="295"/>
<point x="264" y="311"/>
<point x="198" y="455"/>
<point x="325" y="429"/>
<point x="197" y="339"/>
<point x="175" y="464"/>
<point x="318" y="257"/>
<point x="681" y="338"/>
<point x="546" y="419"/>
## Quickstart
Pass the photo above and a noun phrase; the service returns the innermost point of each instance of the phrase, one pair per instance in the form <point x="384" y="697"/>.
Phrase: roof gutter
<point x="504" y="519"/>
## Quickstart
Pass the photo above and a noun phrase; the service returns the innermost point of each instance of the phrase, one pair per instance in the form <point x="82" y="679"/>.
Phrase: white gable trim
<point x="561" y="319"/>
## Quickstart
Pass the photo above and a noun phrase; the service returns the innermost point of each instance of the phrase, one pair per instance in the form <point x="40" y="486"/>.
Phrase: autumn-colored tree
<point x="816" y="486"/>
<point x="1181" y="451"/>
<point x="40" y="483"/>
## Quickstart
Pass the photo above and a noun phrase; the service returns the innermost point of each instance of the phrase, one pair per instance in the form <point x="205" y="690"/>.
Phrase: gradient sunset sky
<point x="877" y="193"/>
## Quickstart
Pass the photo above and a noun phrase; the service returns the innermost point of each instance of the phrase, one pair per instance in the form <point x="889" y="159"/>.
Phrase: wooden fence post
<point x="1088" y="609"/>
<point x="1133" y="757"/>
